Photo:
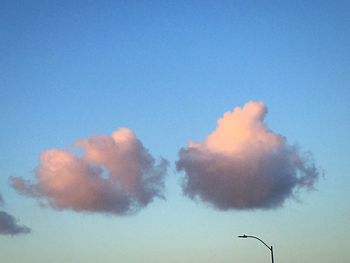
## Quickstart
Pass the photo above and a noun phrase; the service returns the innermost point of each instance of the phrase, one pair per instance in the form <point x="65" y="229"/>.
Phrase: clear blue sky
<point x="168" y="70"/>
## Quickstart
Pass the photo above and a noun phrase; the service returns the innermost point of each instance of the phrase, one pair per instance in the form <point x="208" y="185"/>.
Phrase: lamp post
<point x="269" y="247"/>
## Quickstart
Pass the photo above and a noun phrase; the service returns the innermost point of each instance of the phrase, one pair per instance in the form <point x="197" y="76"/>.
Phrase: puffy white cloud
<point x="244" y="165"/>
<point x="116" y="174"/>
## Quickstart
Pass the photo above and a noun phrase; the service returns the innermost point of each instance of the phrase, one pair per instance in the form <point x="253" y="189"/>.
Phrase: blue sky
<point x="168" y="70"/>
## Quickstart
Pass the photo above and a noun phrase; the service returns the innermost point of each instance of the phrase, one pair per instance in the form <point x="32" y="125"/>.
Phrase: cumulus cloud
<point x="9" y="226"/>
<point x="242" y="164"/>
<point x="115" y="174"/>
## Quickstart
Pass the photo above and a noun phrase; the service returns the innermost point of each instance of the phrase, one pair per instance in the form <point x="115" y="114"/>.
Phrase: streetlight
<point x="270" y="248"/>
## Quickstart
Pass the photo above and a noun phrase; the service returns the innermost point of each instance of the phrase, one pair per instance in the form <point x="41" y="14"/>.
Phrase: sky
<point x="159" y="131"/>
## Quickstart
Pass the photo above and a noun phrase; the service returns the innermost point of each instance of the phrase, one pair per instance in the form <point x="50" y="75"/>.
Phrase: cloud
<point x="244" y="165"/>
<point x="9" y="226"/>
<point x="115" y="175"/>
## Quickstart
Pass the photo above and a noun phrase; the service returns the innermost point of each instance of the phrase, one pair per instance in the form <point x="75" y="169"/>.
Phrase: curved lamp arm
<point x="269" y="247"/>
<point x="245" y="236"/>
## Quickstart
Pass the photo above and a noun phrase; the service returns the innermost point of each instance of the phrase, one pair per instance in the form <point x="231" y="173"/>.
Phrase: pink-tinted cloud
<point x="116" y="174"/>
<point x="244" y="165"/>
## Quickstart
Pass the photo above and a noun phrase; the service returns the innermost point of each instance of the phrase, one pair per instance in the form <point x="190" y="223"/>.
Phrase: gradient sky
<point x="168" y="70"/>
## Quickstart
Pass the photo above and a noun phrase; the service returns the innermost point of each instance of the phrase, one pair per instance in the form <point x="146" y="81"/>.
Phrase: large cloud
<point x="116" y="174"/>
<point x="8" y="224"/>
<point x="244" y="165"/>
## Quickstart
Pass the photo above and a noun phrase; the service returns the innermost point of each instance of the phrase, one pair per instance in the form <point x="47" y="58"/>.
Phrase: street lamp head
<point x="243" y="236"/>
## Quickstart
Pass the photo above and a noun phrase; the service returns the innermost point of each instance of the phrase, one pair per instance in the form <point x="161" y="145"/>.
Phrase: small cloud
<point x="115" y="175"/>
<point x="242" y="164"/>
<point x="1" y="201"/>
<point x="9" y="226"/>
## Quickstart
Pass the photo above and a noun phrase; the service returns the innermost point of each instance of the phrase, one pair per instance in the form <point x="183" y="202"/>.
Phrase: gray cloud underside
<point x="231" y="183"/>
